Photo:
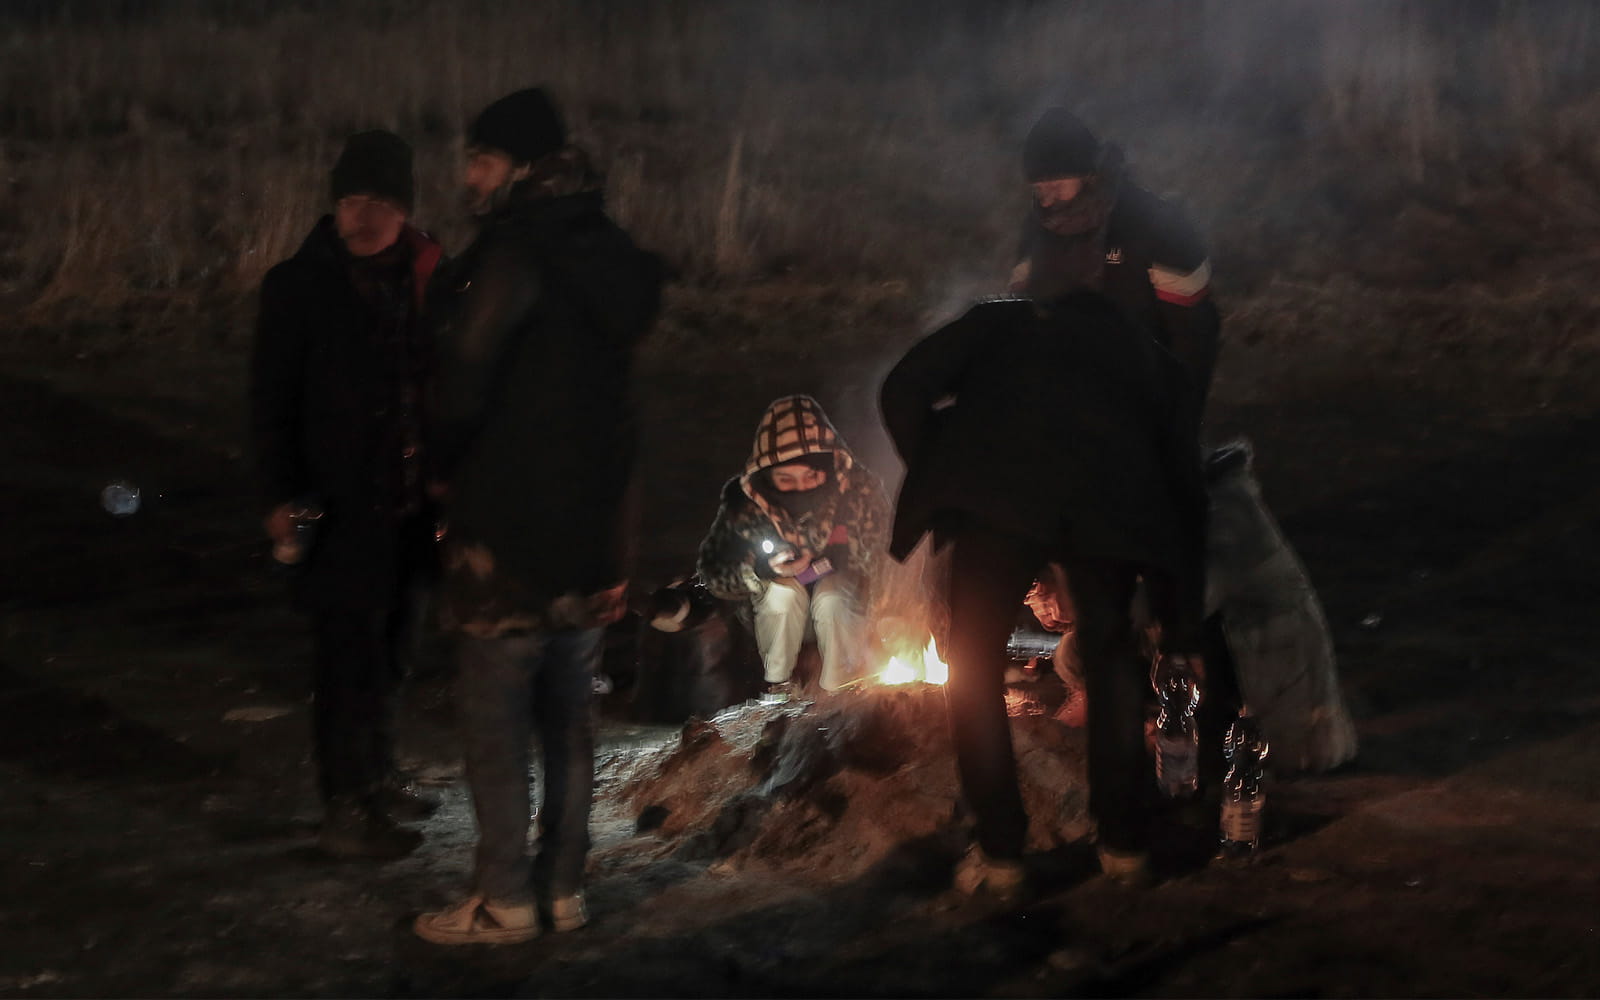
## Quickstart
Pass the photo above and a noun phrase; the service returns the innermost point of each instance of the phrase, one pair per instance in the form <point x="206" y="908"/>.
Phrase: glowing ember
<point x="924" y="665"/>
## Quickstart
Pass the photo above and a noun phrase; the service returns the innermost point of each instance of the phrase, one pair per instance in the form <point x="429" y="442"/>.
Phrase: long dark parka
<point x="535" y="437"/>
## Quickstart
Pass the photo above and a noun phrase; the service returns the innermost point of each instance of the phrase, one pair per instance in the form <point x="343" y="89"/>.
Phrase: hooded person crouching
<point x="798" y="536"/>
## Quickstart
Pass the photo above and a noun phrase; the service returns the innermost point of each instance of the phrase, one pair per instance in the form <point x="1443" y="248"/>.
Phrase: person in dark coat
<point x="534" y="447"/>
<point x="338" y="380"/>
<point x="1114" y="496"/>
<point x="1091" y="227"/>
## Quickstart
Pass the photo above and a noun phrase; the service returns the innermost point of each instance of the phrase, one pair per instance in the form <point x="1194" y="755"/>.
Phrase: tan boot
<point x="568" y="913"/>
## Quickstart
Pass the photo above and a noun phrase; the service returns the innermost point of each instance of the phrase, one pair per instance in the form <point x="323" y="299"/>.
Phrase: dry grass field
<point x="1389" y="182"/>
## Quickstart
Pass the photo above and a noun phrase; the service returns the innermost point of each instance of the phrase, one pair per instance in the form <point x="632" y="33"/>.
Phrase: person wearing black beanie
<point x="373" y="190"/>
<point x="337" y="383"/>
<point x="533" y="447"/>
<point x="1092" y="228"/>
<point x="508" y="142"/>
<point x="1059" y="145"/>
<point x="376" y="163"/>
<point x="524" y="125"/>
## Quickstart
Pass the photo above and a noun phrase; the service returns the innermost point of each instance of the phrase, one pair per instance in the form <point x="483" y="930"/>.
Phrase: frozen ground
<point x="155" y="845"/>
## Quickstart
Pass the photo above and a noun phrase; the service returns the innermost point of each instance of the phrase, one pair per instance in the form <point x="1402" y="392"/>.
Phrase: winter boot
<point x="357" y="829"/>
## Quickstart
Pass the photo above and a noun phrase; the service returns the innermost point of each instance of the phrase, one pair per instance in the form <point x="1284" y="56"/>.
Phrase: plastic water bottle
<point x="120" y="499"/>
<point x="1242" y="793"/>
<point x="1031" y="644"/>
<point x="1177" y="736"/>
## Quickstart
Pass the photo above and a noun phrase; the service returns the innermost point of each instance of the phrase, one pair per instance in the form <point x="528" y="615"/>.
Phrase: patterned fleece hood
<point x="792" y="428"/>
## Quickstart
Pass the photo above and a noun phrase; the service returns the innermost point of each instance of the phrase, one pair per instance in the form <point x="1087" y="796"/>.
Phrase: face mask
<point x="1081" y="215"/>
<point x="1084" y="214"/>
<point x="801" y="503"/>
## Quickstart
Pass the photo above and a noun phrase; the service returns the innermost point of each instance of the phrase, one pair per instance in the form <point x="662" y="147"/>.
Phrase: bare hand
<point x="279" y="524"/>
<point x="789" y="563"/>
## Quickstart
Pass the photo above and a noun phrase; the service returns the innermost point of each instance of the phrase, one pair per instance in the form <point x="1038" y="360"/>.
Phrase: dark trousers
<point x="357" y="667"/>
<point x="361" y="647"/>
<point x="989" y="575"/>
<point x="511" y="688"/>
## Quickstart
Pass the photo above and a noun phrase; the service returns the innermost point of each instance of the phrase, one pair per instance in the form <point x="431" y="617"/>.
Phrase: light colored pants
<point x="832" y="610"/>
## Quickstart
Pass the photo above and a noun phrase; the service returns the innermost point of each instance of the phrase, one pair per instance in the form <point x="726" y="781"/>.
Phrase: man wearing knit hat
<point x="337" y="389"/>
<point x="797" y="539"/>
<point x="1092" y="228"/>
<point x="537" y="324"/>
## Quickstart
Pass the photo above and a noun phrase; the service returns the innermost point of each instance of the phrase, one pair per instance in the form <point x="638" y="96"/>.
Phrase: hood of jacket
<point x="792" y="428"/>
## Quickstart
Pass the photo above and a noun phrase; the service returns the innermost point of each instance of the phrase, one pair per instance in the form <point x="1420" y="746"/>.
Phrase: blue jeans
<point x="510" y="688"/>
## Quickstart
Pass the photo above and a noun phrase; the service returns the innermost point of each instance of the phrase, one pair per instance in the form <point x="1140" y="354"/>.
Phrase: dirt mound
<point x="830" y="788"/>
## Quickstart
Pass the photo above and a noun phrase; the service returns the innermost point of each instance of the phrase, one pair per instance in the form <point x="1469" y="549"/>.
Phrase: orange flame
<point x="925" y="665"/>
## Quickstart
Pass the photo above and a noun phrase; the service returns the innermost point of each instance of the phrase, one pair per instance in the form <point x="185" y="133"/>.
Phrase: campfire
<point x="924" y="665"/>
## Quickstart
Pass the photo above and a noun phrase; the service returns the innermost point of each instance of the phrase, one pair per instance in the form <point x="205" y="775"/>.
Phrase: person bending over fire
<point x="1121" y="501"/>
<point x="798" y="536"/>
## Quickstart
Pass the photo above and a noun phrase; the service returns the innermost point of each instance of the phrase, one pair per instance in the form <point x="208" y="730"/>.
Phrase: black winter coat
<point x="1157" y="271"/>
<point x="329" y="383"/>
<point x="535" y="437"/>
<point x="1065" y="427"/>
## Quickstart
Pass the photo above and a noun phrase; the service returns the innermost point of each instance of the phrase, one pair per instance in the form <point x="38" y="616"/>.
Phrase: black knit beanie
<point x="1059" y="145"/>
<point x="525" y="126"/>
<point x="376" y="163"/>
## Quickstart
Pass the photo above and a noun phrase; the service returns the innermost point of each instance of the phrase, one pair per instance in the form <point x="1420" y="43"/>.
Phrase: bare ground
<point x="154" y="846"/>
